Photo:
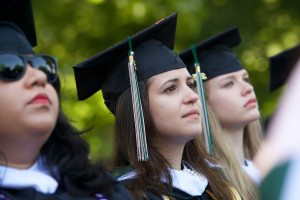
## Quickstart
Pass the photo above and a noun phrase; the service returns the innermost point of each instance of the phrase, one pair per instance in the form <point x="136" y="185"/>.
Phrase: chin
<point x="195" y="133"/>
<point x="255" y="116"/>
<point x="41" y="127"/>
<point x="250" y="120"/>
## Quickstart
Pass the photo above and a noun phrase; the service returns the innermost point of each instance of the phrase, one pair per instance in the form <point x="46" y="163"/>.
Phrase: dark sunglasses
<point x="13" y="66"/>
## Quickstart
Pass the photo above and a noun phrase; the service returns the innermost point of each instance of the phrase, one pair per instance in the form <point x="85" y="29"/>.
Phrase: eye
<point x="246" y="79"/>
<point x="228" y="84"/>
<point x="170" y="89"/>
<point x="192" y="85"/>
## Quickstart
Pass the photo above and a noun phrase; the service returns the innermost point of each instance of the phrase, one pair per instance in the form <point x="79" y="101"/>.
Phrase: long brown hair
<point x="149" y="173"/>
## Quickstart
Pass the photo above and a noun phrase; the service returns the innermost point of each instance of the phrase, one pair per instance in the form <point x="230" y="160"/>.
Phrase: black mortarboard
<point x="281" y="65"/>
<point x="20" y="13"/>
<point x="108" y="70"/>
<point x="215" y="55"/>
<point x="12" y="38"/>
<point x="17" y="31"/>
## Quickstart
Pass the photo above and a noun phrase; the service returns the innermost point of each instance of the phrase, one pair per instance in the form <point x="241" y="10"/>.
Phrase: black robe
<point x="175" y="194"/>
<point x="178" y="194"/>
<point x="118" y="193"/>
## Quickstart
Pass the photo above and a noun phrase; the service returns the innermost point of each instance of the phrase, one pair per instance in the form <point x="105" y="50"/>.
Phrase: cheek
<point x="158" y="110"/>
<point x="161" y="112"/>
<point x="10" y="100"/>
<point x="54" y="99"/>
<point x="220" y="105"/>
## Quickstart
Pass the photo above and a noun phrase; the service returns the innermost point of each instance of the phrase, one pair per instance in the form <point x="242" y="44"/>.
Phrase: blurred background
<point x="76" y="30"/>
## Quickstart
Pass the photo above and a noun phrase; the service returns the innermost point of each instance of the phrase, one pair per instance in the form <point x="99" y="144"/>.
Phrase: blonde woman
<point x="233" y="102"/>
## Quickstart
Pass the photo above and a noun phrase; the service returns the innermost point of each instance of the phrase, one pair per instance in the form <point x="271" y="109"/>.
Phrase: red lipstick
<point x="40" y="99"/>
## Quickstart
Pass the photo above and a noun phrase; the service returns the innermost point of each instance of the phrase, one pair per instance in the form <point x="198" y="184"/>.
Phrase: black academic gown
<point x="176" y="194"/>
<point x="119" y="193"/>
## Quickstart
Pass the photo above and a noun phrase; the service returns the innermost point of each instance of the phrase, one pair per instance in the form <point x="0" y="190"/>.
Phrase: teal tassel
<point x="141" y="141"/>
<point x="207" y="132"/>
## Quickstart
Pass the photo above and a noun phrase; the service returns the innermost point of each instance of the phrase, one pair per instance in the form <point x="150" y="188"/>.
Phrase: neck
<point x="235" y="138"/>
<point x="19" y="154"/>
<point x="173" y="153"/>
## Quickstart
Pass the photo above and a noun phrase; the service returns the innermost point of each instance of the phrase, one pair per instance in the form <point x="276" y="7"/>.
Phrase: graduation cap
<point x="111" y="72"/>
<point x="20" y="13"/>
<point x="208" y="59"/>
<point x="17" y="31"/>
<point x="281" y="65"/>
<point x="108" y="71"/>
<point x="215" y="55"/>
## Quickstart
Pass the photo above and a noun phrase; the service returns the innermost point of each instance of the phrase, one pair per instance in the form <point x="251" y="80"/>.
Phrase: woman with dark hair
<point x="42" y="155"/>
<point x="157" y="154"/>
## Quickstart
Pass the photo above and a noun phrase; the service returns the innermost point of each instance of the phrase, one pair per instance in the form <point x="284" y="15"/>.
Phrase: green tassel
<point x="141" y="141"/>
<point x="207" y="132"/>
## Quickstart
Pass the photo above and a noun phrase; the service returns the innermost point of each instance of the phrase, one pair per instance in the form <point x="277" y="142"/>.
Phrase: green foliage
<point x="76" y="30"/>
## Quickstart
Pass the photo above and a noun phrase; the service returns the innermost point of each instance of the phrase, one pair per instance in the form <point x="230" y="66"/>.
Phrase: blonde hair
<point x="252" y="138"/>
<point x="252" y="132"/>
<point x="225" y="157"/>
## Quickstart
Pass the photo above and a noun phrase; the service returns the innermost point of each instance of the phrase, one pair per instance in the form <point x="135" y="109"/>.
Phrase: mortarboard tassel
<point x="199" y="76"/>
<point x="140" y="131"/>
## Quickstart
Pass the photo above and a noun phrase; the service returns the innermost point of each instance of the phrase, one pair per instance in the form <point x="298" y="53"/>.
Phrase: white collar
<point x="37" y="177"/>
<point x="252" y="171"/>
<point x="182" y="180"/>
<point x="188" y="183"/>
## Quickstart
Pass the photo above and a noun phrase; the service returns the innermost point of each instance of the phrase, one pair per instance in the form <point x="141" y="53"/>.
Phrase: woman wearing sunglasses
<point x="42" y="156"/>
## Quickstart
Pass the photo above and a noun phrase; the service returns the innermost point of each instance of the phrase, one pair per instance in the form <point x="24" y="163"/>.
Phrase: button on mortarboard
<point x="215" y="55"/>
<point x="108" y="70"/>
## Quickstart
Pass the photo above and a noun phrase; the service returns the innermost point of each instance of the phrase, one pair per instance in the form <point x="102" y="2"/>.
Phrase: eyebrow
<point x="174" y="80"/>
<point x="189" y="78"/>
<point x="246" y="73"/>
<point x="233" y="76"/>
<point x="169" y="81"/>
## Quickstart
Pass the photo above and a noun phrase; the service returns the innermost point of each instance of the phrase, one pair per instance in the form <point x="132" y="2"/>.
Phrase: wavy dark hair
<point x="149" y="173"/>
<point x="67" y="156"/>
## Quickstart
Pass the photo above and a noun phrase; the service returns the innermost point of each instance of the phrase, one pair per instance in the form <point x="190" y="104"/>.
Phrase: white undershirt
<point x="252" y="171"/>
<point x="182" y="180"/>
<point x="37" y="177"/>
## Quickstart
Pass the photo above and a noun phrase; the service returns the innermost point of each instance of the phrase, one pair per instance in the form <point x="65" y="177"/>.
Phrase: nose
<point x="190" y="96"/>
<point x="34" y="77"/>
<point x="247" y="88"/>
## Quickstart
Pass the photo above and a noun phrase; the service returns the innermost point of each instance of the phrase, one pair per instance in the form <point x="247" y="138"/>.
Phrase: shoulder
<point x="252" y="171"/>
<point x="177" y="194"/>
<point x="122" y="172"/>
<point x="119" y="192"/>
<point x="32" y="194"/>
<point x="125" y="174"/>
<point x="234" y="192"/>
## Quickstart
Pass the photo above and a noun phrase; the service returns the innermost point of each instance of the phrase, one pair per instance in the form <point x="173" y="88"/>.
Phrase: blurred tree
<point x="76" y="30"/>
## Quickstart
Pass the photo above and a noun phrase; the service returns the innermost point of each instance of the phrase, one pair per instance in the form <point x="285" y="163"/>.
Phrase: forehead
<point x="238" y="73"/>
<point x="172" y="74"/>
